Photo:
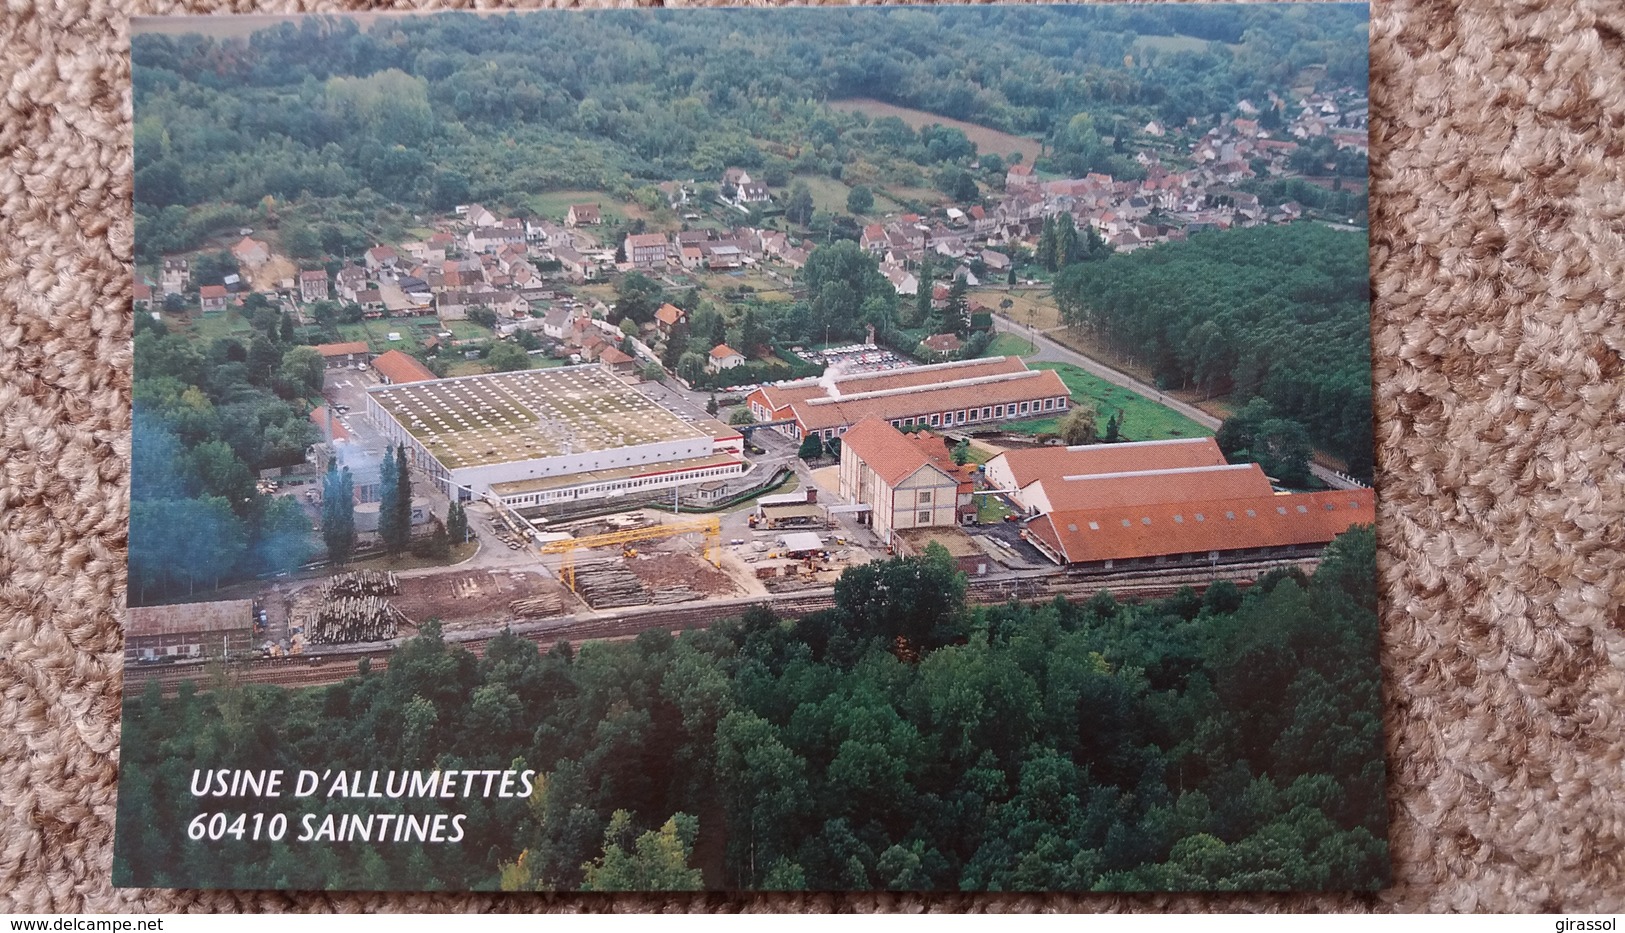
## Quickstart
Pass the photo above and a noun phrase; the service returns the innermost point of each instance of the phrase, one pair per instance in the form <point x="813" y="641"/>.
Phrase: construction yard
<point x="472" y="599"/>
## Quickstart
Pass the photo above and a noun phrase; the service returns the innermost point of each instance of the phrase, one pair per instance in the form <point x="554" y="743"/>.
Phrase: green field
<point x="555" y="204"/>
<point x="1142" y="418"/>
<point x="986" y="139"/>
<point x="827" y="193"/>
<point x="205" y="329"/>
<point x="1009" y="345"/>
<point x="990" y="510"/>
<point x="1175" y="43"/>
<point x="412" y="330"/>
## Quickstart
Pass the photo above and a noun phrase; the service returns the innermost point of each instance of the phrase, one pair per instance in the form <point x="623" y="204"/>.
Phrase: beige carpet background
<point x="1498" y="256"/>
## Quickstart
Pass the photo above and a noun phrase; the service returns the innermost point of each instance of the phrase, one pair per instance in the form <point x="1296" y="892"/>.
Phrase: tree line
<point x="428" y="112"/>
<point x="1281" y="313"/>
<point x="206" y="420"/>
<point x="901" y="740"/>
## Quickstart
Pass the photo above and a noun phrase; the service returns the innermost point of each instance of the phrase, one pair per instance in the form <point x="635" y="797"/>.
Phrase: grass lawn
<point x="376" y="335"/>
<point x="1175" y="43"/>
<point x="827" y="193"/>
<point x="465" y="330"/>
<point x="990" y="509"/>
<point x="409" y="561"/>
<point x="1142" y="418"/>
<point x="986" y="139"/>
<point x="204" y="329"/>
<point x="555" y="204"/>
<point x="1026" y="307"/>
<point x="1009" y="345"/>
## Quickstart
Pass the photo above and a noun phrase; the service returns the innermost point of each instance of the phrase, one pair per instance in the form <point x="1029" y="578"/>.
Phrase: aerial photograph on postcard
<point x="820" y="449"/>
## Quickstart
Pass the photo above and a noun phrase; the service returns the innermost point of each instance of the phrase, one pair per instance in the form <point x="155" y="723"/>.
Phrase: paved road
<point x="1048" y="351"/>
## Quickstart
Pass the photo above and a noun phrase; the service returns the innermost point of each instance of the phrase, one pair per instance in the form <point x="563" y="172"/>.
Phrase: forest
<point x="1281" y="313"/>
<point x="901" y="740"/>
<point x="425" y="113"/>
<point x="207" y="419"/>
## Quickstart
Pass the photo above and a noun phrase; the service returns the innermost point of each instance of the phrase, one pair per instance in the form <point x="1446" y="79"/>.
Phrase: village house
<point x="212" y="298"/>
<point x="796" y="257"/>
<point x="341" y="355"/>
<point x="489" y="239"/>
<point x="556" y="322"/>
<point x="751" y="193"/>
<point x="725" y="357"/>
<point x="251" y="252"/>
<point x="576" y="266"/>
<point x="382" y="260"/>
<point x="141" y="296"/>
<point x="477" y="216"/>
<point x="1020" y="175"/>
<point x="313" y="285"/>
<point x="723" y="255"/>
<point x="902" y="280"/>
<point x="645" y="250"/>
<point x="371" y="301"/>
<point x="175" y="275"/>
<point x="396" y="368"/>
<point x="668" y="316"/>
<point x="942" y="346"/>
<point x="617" y="361"/>
<point x="582" y="215"/>
<point x="350" y="280"/>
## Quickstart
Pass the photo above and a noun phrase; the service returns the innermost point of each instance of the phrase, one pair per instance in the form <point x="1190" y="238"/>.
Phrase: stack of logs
<point x="352" y="607"/>
<point x="607" y="584"/>
<point x="537" y="607"/>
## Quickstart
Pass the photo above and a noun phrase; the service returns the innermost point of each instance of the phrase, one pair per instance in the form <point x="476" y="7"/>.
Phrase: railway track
<point x="334" y="664"/>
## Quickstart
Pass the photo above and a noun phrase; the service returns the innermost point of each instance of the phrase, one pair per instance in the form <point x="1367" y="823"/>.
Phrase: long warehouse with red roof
<point x="1107" y="506"/>
<point x="945" y="395"/>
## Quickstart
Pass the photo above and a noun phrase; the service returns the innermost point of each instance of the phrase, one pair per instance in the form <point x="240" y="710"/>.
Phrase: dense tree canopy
<point x="900" y="740"/>
<point x="206" y="420"/>
<point x="429" y="112"/>
<point x="1280" y="312"/>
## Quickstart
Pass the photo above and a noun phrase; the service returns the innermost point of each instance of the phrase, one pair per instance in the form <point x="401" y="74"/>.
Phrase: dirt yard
<point x="657" y="570"/>
<point x="469" y="598"/>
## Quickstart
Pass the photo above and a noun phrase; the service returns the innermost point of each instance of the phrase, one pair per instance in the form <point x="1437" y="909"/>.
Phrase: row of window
<point x="970" y="415"/>
<point x="645" y="482"/>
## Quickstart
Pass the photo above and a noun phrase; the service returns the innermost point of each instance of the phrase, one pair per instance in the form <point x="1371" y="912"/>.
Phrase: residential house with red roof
<point x="725" y="357"/>
<point x="313" y="285"/>
<point x="340" y="355"/>
<point x="397" y="368"/>
<point x="212" y="298"/>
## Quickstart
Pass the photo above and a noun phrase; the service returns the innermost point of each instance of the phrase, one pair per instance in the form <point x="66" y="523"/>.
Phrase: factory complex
<point x="1109" y="506"/>
<point x="550" y="436"/>
<point x="943" y="395"/>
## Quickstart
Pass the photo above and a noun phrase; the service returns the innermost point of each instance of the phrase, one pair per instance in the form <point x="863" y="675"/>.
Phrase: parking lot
<point x="856" y="358"/>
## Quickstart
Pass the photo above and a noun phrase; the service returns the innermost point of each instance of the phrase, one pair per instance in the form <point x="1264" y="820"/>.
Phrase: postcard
<point x="899" y="448"/>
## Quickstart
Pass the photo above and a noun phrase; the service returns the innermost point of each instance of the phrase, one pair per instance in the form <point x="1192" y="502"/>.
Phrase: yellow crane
<point x="567" y="547"/>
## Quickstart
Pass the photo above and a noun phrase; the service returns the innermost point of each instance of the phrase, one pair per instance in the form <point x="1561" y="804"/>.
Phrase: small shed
<point x="802" y="544"/>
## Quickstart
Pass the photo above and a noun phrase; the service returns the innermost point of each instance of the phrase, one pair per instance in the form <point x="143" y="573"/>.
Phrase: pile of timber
<point x="790" y="584"/>
<point x="607" y="584"/>
<point x="362" y="583"/>
<point x="342" y="619"/>
<point x="537" y="607"/>
<point x="351" y="607"/>
<point x="665" y="595"/>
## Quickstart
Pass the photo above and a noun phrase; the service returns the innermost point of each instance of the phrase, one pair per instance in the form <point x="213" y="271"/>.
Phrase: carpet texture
<point x="1498" y="260"/>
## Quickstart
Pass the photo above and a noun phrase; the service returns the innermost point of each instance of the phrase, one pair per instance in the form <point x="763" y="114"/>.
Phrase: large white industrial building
<point x="550" y="437"/>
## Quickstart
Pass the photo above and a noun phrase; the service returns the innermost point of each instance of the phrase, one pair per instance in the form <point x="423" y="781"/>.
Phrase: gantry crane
<point x="567" y="547"/>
